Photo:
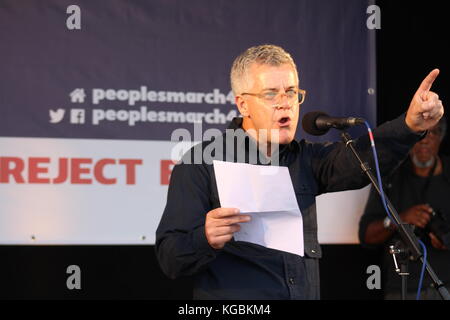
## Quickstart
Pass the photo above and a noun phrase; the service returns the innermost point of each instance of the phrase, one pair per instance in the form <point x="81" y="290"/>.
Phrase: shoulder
<point x="197" y="154"/>
<point x="192" y="164"/>
<point x="313" y="145"/>
<point x="316" y="149"/>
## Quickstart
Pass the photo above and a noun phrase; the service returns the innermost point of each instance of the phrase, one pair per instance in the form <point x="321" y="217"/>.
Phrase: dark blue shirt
<point x="248" y="271"/>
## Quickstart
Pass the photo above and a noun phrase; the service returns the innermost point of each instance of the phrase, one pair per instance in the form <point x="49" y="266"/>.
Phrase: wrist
<point x="412" y="127"/>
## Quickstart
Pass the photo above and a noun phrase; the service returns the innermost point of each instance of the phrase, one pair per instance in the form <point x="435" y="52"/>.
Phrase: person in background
<point x="420" y="191"/>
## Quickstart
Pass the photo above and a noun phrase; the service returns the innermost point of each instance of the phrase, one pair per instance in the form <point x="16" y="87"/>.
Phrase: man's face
<point x="428" y="148"/>
<point x="261" y="114"/>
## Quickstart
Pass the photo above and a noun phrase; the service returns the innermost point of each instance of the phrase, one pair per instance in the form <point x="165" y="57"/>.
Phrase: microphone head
<point x="309" y="123"/>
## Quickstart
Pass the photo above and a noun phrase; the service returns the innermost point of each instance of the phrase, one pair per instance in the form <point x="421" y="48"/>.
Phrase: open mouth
<point x="284" y="122"/>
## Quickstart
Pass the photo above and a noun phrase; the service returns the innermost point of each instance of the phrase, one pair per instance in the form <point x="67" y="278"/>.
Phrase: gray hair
<point x="264" y="54"/>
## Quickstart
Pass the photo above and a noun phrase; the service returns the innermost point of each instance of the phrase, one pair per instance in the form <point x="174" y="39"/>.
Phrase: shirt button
<point x="291" y="281"/>
<point x="313" y="251"/>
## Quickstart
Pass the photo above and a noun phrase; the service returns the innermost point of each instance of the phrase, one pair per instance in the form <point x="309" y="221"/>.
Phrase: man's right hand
<point x="418" y="215"/>
<point x="221" y="224"/>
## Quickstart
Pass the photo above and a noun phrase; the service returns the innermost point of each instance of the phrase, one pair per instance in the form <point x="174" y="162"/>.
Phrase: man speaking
<point x="195" y="234"/>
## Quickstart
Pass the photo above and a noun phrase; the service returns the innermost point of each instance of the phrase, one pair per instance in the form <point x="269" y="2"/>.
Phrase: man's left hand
<point x="425" y="109"/>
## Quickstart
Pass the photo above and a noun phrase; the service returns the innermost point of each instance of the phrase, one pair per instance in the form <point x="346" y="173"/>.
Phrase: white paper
<point x="266" y="193"/>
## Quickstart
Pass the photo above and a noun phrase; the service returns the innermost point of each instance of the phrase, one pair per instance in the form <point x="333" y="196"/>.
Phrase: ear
<point x="242" y="106"/>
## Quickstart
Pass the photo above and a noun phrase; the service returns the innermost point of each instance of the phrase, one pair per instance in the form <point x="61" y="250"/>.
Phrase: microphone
<point x="318" y="123"/>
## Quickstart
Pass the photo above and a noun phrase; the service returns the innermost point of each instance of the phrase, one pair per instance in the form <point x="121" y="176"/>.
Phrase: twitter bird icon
<point x="56" y="116"/>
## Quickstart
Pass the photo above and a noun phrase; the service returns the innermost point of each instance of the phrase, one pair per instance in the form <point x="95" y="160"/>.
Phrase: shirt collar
<point x="236" y="124"/>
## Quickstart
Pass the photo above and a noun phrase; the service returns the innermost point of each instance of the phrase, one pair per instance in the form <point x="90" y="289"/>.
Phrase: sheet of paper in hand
<point x="266" y="193"/>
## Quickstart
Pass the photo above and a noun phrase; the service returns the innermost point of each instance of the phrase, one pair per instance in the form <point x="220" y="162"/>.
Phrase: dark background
<point x="412" y="42"/>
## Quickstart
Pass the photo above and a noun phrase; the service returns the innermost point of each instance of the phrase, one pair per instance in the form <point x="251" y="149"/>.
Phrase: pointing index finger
<point x="427" y="83"/>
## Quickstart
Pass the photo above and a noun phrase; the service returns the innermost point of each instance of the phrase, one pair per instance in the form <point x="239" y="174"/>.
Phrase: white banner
<point x="86" y="191"/>
<point x="76" y="191"/>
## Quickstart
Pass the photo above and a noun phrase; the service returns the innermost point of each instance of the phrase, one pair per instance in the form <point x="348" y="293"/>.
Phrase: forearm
<point x="183" y="254"/>
<point x="337" y="169"/>
<point x="393" y="140"/>
<point x="181" y="245"/>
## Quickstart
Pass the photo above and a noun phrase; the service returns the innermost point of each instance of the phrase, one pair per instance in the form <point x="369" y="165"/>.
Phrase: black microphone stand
<point x="409" y="239"/>
<point x="401" y="255"/>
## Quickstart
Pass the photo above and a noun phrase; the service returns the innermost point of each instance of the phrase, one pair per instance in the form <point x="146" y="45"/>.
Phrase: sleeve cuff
<point x="405" y="133"/>
<point x="420" y="135"/>
<point x="200" y="242"/>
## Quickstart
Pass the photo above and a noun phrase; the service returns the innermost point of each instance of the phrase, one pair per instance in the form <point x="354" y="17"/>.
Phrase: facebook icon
<point x="77" y="116"/>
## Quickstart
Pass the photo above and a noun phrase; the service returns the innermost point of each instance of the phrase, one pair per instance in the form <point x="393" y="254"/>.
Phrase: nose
<point x="282" y="106"/>
<point x="283" y="102"/>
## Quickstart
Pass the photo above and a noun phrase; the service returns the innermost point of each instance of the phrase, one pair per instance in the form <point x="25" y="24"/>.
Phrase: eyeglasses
<point x="297" y="95"/>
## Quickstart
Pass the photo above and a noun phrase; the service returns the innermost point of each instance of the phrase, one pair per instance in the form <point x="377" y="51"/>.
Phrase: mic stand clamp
<point x="401" y="256"/>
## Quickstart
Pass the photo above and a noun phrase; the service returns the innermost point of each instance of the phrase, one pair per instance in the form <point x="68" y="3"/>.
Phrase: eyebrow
<point x="276" y="89"/>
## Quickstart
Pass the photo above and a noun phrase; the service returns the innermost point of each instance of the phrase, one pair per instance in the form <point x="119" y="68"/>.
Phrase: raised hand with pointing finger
<point x="425" y="109"/>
